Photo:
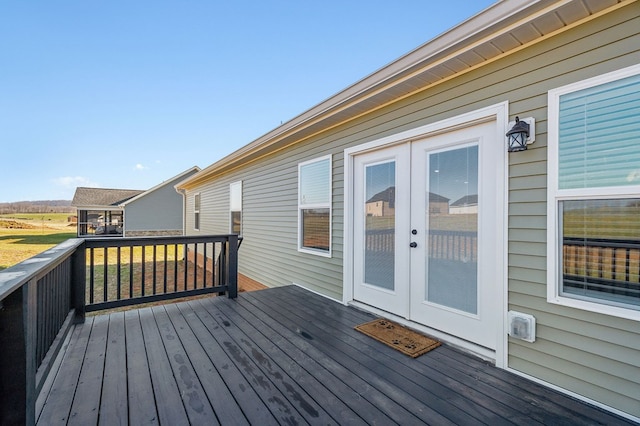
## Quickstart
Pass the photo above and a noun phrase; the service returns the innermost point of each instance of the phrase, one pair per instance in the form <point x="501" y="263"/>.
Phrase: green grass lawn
<point x="24" y="235"/>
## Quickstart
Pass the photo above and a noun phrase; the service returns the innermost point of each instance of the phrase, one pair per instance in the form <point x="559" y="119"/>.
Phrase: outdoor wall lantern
<point x="522" y="133"/>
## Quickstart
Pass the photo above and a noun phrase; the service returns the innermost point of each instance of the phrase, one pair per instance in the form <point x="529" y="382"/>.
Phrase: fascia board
<point x="96" y="207"/>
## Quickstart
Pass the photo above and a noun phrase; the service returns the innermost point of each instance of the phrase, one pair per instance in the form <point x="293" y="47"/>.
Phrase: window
<point x="314" y="206"/>
<point x="594" y="194"/>
<point x="235" y="207"/>
<point x="196" y="212"/>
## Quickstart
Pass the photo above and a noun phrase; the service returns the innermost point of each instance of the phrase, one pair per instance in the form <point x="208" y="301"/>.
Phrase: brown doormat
<point x="398" y="337"/>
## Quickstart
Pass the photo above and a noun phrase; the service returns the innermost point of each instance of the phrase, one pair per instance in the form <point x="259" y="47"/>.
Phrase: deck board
<point x="86" y="404"/>
<point x="485" y="402"/>
<point x="378" y="379"/>
<point x="281" y="356"/>
<point x="217" y="393"/>
<point x="277" y="375"/>
<point x="113" y="406"/>
<point x="388" y="375"/>
<point x="195" y="400"/>
<point x="277" y="402"/>
<point x="444" y="394"/>
<point x="384" y="406"/>
<point x="55" y="411"/>
<point x="334" y="377"/>
<point x="141" y="407"/>
<point x="164" y="387"/>
<point x="253" y="409"/>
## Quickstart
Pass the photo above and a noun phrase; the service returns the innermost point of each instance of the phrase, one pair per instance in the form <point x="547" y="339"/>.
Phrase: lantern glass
<point x="517" y="141"/>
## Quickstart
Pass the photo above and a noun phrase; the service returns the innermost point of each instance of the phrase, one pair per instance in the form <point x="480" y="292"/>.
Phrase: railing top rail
<point x="389" y="231"/>
<point x="602" y="242"/>
<point x="94" y="242"/>
<point x="16" y="276"/>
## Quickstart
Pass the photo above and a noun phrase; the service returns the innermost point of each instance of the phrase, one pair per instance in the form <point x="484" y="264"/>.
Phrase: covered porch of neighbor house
<point x="100" y="210"/>
<point x="102" y="223"/>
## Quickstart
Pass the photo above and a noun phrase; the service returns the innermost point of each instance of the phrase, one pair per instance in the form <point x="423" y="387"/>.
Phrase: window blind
<point x="314" y="182"/>
<point x="599" y="136"/>
<point x="235" y="197"/>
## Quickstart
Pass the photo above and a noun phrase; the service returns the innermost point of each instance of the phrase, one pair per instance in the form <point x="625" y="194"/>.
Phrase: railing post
<point x="222" y="266"/>
<point x="79" y="281"/>
<point x="232" y="266"/>
<point x="18" y="327"/>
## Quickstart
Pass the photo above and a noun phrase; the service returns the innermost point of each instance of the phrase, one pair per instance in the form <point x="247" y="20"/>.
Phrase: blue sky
<point x="127" y="94"/>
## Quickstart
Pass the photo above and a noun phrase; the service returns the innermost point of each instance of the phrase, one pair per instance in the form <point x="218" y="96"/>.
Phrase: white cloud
<point x="74" y="181"/>
<point x="140" y="167"/>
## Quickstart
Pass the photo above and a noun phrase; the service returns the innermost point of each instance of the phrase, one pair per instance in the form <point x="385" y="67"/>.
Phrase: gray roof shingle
<point x="102" y="196"/>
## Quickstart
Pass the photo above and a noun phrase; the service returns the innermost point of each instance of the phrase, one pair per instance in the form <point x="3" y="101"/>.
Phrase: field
<point x="140" y="270"/>
<point x="24" y="235"/>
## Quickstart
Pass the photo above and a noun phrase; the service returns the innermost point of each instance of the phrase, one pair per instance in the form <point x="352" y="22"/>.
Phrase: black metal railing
<point x="450" y="245"/>
<point x="453" y="245"/>
<point x="141" y="270"/>
<point x="601" y="265"/>
<point x="42" y="297"/>
<point x="36" y="314"/>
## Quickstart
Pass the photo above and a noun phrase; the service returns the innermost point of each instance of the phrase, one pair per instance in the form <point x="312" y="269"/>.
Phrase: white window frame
<point x="327" y="205"/>
<point x="555" y="195"/>
<point x="231" y="203"/>
<point x="197" y="205"/>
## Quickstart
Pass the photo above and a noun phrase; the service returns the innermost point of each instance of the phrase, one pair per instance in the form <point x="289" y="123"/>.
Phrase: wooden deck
<point x="279" y="356"/>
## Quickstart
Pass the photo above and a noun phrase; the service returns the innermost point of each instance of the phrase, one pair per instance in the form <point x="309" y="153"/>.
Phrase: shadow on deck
<point x="279" y="356"/>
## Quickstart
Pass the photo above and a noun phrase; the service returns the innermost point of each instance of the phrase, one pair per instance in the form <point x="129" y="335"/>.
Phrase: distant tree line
<point x="44" y="206"/>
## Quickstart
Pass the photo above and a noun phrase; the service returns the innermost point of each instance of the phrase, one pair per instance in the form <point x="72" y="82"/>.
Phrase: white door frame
<point x="498" y="113"/>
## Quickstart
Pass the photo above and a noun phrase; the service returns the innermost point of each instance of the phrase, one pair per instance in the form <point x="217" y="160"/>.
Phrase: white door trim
<point x="498" y="113"/>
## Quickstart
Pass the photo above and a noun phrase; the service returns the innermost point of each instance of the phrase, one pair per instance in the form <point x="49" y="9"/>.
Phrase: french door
<point x="424" y="232"/>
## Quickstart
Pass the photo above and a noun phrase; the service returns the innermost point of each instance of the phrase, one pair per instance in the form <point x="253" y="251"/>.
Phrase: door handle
<point x="413" y="244"/>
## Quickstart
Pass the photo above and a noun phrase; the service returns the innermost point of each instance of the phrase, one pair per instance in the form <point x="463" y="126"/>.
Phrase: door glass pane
<point x="380" y="225"/>
<point x="452" y="223"/>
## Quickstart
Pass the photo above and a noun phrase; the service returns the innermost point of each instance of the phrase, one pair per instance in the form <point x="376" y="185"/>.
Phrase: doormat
<point x="398" y="337"/>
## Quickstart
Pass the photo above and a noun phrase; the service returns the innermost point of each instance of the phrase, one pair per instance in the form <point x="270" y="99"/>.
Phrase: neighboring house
<point x="465" y="205"/>
<point x="382" y="204"/>
<point x="437" y="204"/>
<point x="435" y="121"/>
<point x="100" y="212"/>
<point x="131" y="213"/>
<point x="157" y="211"/>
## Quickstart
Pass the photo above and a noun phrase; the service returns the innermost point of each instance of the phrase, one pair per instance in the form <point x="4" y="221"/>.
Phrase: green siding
<point x="593" y="355"/>
<point x="590" y="354"/>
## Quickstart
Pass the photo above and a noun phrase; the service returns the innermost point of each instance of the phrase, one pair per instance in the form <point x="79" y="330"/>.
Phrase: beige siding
<point x="590" y="354"/>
